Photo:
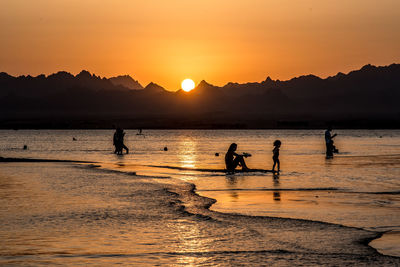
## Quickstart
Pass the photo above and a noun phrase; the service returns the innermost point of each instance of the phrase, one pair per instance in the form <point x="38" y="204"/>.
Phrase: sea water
<point x="176" y="207"/>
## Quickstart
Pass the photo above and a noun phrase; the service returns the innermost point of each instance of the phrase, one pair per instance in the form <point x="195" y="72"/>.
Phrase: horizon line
<point x="197" y="84"/>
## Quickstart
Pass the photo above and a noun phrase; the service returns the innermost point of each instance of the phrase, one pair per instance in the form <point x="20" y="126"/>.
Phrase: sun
<point x="187" y="85"/>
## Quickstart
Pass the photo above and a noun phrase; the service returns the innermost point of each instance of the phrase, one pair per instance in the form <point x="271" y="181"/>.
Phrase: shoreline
<point x="364" y="241"/>
<point x="2" y="159"/>
<point x="209" y="202"/>
<point x="380" y="236"/>
<point x="195" y="204"/>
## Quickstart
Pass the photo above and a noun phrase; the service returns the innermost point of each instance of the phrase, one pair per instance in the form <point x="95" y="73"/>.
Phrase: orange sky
<point x="165" y="41"/>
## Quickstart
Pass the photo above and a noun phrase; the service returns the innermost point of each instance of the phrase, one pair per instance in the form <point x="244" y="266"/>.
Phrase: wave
<point x="266" y="251"/>
<point x="40" y="160"/>
<point x="100" y="168"/>
<point x="303" y="189"/>
<point x="271" y="189"/>
<point x="379" y="193"/>
<point x="209" y="170"/>
<point x="198" y="206"/>
<point x="58" y="150"/>
<point x="368" y="156"/>
<point x="67" y="254"/>
<point x="81" y="150"/>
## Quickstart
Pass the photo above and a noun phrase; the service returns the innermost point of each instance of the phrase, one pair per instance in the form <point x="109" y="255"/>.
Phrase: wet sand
<point x="55" y="213"/>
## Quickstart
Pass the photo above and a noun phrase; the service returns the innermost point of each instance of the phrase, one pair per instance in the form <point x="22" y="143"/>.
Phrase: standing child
<point x="275" y="157"/>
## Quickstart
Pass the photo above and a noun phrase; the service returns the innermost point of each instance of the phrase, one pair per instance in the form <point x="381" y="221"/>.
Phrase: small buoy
<point x="165" y="148"/>
<point x="25" y="147"/>
<point x="217" y="154"/>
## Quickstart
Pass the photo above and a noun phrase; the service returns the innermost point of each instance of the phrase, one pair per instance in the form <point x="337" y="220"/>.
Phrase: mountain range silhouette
<point x="368" y="97"/>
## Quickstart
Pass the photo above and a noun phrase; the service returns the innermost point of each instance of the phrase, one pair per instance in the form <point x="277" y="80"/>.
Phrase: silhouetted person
<point x="275" y="157"/>
<point x="232" y="159"/>
<point x="330" y="148"/>
<point x="118" y="141"/>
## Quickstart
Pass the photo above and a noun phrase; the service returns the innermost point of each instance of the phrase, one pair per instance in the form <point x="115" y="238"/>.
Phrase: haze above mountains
<point x="62" y="100"/>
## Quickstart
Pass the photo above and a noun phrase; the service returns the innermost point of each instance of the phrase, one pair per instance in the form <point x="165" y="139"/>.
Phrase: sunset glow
<point x="155" y="132"/>
<point x="217" y="41"/>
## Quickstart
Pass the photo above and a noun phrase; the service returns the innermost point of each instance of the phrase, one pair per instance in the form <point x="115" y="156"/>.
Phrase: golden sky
<point x="165" y="41"/>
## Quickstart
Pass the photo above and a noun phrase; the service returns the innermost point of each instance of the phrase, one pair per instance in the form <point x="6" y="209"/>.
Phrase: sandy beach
<point x="60" y="213"/>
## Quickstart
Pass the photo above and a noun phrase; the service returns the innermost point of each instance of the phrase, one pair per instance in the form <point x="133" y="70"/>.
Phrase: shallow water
<point x="72" y="208"/>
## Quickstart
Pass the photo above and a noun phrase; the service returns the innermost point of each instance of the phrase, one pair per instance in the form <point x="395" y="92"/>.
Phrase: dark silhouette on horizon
<point x="126" y="81"/>
<point x="365" y="97"/>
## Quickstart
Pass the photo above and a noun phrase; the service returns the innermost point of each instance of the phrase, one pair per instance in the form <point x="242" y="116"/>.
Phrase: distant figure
<point x="330" y="148"/>
<point x="118" y="141"/>
<point x="275" y="157"/>
<point x="140" y="132"/>
<point x="165" y="148"/>
<point x="73" y="139"/>
<point x="25" y="147"/>
<point x="217" y="154"/>
<point x="232" y="159"/>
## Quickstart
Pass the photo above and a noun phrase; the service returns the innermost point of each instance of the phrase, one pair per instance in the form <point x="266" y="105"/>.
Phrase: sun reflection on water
<point x="191" y="240"/>
<point x="187" y="153"/>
